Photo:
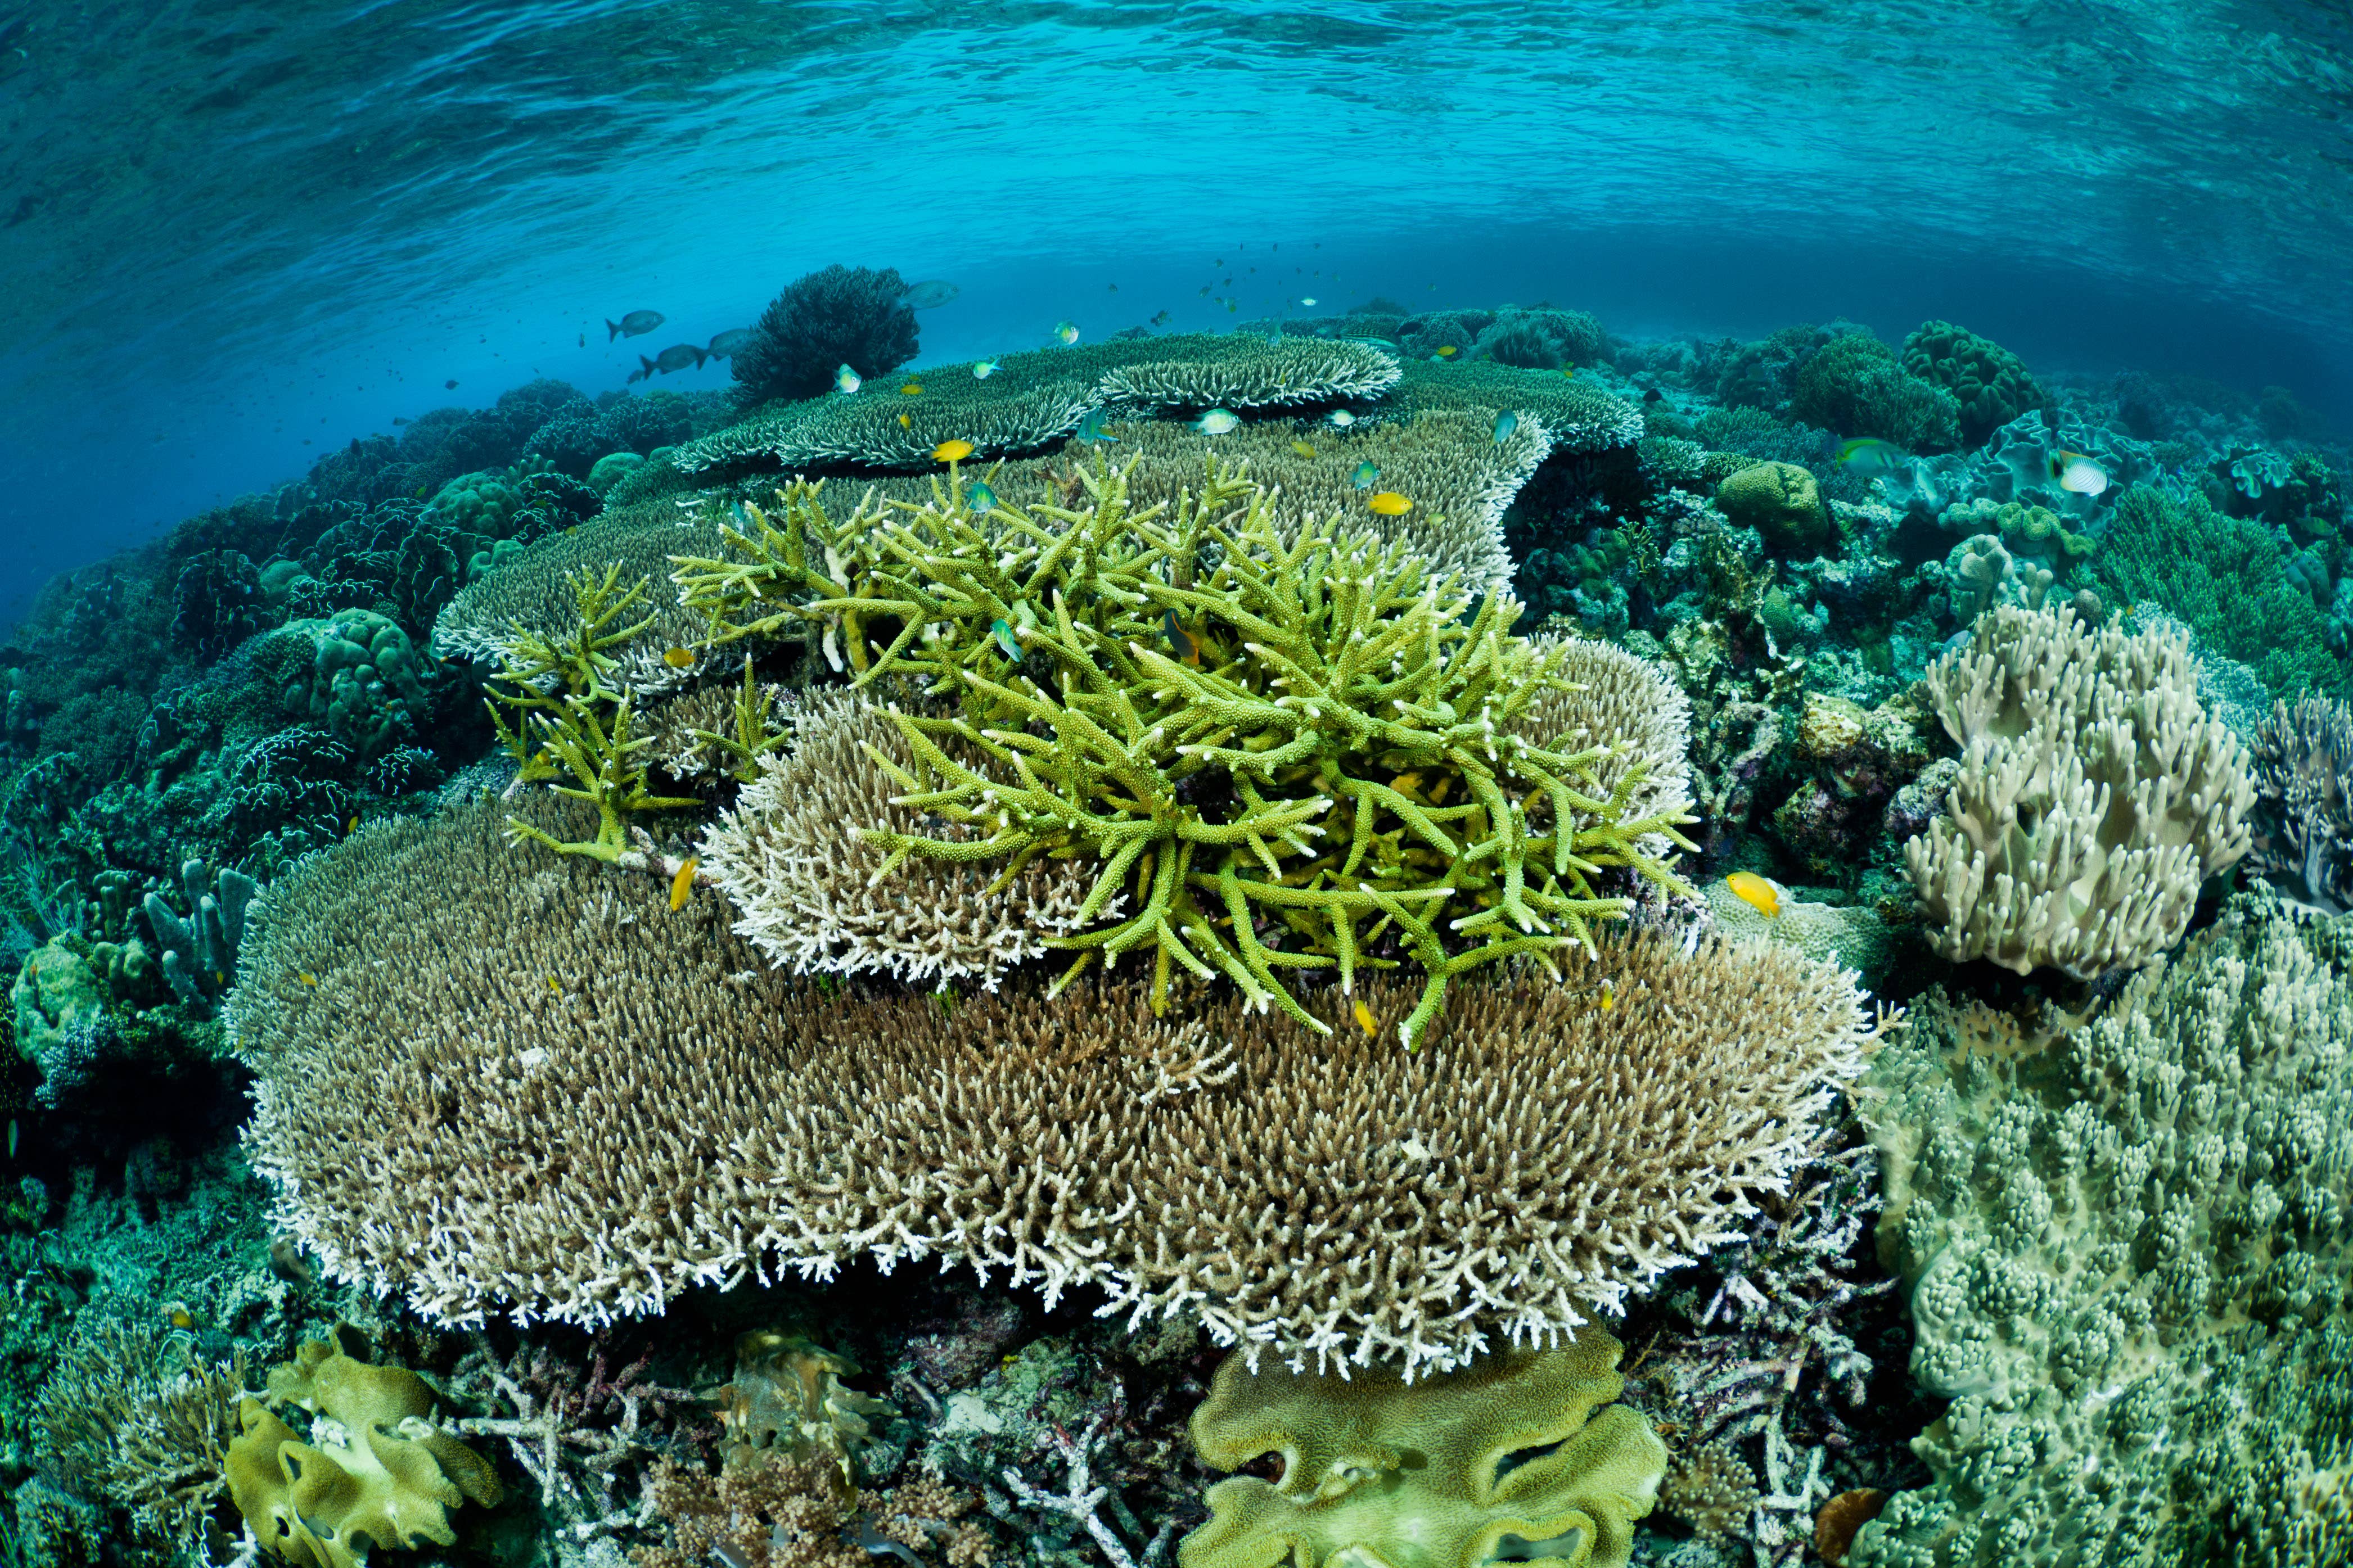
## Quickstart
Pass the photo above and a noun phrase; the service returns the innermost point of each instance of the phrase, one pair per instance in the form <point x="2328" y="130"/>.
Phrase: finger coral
<point x="529" y="1087"/>
<point x="803" y="877"/>
<point x="1189" y="700"/>
<point x="2127" y="1253"/>
<point x="2095" y="795"/>
<point x="1519" y="1458"/>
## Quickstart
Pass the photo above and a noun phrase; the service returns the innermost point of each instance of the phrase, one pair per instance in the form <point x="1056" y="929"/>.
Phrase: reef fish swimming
<point x="1090" y="428"/>
<point x="1870" y="457"/>
<point x="1218" y="422"/>
<point x="678" y="356"/>
<point x="1388" y="503"/>
<point x="979" y="497"/>
<point x="952" y="451"/>
<point x="847" y="379"/>
<point x="636" y="325"/>
<point x="726" y="344"/>
<point x="929" y="295"/>
<point x="1364" y="475"/>
<point x="1755" y="891"/>
<point x="1506" y="423"/>
<point x="2077" y="474"/>
<point x="1068" y="332"/>
<point x="982" y="369"/>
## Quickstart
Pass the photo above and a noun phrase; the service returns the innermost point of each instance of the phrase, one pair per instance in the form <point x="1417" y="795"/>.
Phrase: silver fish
<point x="636" y="325"/>
<point x="727" y="343"/>
<point x="929" y="295"/>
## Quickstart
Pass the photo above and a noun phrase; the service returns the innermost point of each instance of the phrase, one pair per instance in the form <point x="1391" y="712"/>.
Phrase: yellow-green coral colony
<point x="1330" y="770"/>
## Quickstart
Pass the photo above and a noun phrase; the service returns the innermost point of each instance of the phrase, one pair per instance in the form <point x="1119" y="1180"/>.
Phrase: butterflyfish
<point x="2077" y="474"/>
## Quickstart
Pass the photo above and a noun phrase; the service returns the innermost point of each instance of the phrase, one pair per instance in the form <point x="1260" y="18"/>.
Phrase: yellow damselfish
<point x="952" y="451"/>
<point x="1755" y="891"/>
<point x="679" y="657"/>
<point x="1302" y="449"/>
<point x="912" y="389"/>
<point x="1388" y="503"/>
<point x="682" y="885"/>
<point x="1364" y="1020"/>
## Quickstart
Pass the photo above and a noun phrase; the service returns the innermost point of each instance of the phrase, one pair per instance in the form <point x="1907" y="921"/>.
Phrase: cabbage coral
<point x="1301" y="755"/>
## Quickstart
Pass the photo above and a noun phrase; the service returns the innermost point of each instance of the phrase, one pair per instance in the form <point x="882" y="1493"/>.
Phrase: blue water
<point x="233" y="237"/>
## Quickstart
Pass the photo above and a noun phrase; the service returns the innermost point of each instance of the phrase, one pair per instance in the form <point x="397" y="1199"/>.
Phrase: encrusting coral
<point x="532" y="1087"/>
<point x="1179" y="695"/>
<point x="1519" y="1458"/>
<point x="2095" y="795"/>
<point x="794" y="860"/>
<point x="2127" y="1254"/>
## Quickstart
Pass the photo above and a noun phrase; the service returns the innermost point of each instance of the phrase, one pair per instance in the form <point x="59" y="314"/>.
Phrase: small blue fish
<point x="1066" y="331"/>
<point x="846" y="380"/>
<point x="979" y="497"/>
<point x="1090" y="428"/>
<point x="1506" y="423"/>
<point x="1364" y="476"/>
<point x="1180" y="640"/>
<point x="983" y="369"/>
<point x="1218" y="422"/>
<point x="1003" y="631"/>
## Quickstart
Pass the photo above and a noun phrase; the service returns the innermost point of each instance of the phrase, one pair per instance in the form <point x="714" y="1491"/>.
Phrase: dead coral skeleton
<point x="1081" y="1496"/>
<point x="579" y="1440"/>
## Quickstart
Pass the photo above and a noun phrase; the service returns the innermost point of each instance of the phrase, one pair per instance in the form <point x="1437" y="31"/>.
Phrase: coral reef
<point x="1101" y="1143"/>
<point x="1780" y="501"/>
<point x="2302" y="829"/>
<point x="1856" y="386"/>
<point x="2095" y="795"/>
<point x="797" y="860"/>
<point x="2125" y="1251"/>
<point x="1991" y="385"/>
<point x="1579" y="419"/>
<point x="1235" y="371"/>
<point x="1520" y="1457"/>
<point x="842" y="315"/>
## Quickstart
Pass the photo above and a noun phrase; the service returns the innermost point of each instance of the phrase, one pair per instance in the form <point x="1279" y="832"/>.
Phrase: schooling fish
<point x="1218" y="422"/>
<point x="729" y="342"/>
<point x="678" y="356"/>
<point x="1067" y="330"/>
<point x="1388" y="503"/>
<point x="1364" y="476"/>
<point x="846" y="380"/>
<point x="1090" y="428"/>
<point x="929" y="295"/>
<point x="983" y="369"/>
<point x="636" y="325"/>
<point x="1506" y="423"/>
<point x="2077" y="474"/>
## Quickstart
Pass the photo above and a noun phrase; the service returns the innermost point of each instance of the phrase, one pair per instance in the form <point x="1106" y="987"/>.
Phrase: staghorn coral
<point x="2095" y="796"/>
<point x="2303" y="841"/>
<point x="538" y="1091"/>
<point x="1991" y="385"/>
<point x="839" y="315"/>
<point x="1447" y="462"/>
<point x="1579" y="419"/>
<point x="795" y="860"/>
<point x="1520" y="1457"/>
<point x="1203" y="371"/>
<point x="1324" y="701"/>
<point x="557" y="716"/>
<point x="2126" y="1249"/>
<point x="380" y="1470"/>
<point x="719" y="731"/>
<point x="533" y="591"/>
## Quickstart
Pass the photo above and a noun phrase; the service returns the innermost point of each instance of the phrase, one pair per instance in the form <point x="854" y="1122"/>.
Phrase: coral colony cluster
<point x="1242" y="948"/>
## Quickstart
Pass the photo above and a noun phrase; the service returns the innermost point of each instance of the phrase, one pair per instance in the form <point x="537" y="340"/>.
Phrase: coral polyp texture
<point x="1239" y="372"/>
<point x="530" y="1088"/>
<point x="1448" y="463"/>
<point x="2127" y="1254"/>
<point x="792" y="860"/>
<point x="1579" y="419"/>
<point x="2095" y="796"/>
<point x="1183" y="696"/>
<point x="1520" y="1457"/>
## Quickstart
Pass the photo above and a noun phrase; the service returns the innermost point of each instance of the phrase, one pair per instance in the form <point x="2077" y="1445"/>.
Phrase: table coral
<point x="2126" y="1250"/>
<point x="1517" y="1458"/>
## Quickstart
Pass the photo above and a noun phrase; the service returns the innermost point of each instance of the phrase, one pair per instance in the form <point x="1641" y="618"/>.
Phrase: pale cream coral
<point x="2095" y="796"/>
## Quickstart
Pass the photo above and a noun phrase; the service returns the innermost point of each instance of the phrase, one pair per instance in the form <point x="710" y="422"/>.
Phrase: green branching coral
<point x="1580" y="418"/>
<point x="557" y="715"/>
<point x="1520" y="1457"/>
<point x="1290" y="757"/>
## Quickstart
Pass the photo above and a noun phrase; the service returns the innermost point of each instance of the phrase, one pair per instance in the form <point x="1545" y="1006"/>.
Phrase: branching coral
<point x="1239" y="372"/>
<point x="2095" y="795"/>
<point x="785" y="1512"/>
<point x="1577" y="418"/>
<point x="2126" y="1250"/>
<point x="804" y="879"/>
<point x="1196" y="702"/>
<point x="562" y="719"/>
<point x="470" y="1105"/>
<point x="852" y="315"/>
<point x="2303" y="803"/>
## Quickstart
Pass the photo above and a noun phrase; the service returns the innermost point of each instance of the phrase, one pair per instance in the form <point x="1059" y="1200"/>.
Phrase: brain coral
<point x="2128" y="1255"/>
<point x="1991" y="384"/>
<point x="526" y="1085"/>
<point x="1516" y="1458"/>
<point x="2095" y="796"/>
<point x="1780" y="500"/>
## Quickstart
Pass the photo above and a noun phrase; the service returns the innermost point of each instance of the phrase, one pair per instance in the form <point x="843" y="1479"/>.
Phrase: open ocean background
<point x="235" y="236"/>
